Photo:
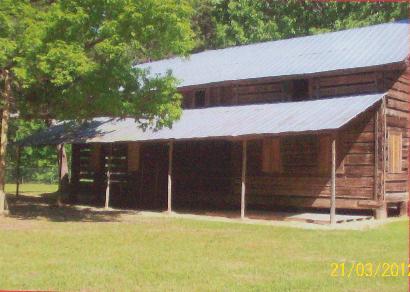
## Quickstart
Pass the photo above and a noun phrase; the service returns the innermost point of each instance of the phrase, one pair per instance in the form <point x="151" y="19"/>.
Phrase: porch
<point x="244" y="159"/>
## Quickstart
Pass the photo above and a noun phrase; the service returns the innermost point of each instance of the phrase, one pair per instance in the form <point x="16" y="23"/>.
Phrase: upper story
<point x="354" y="61"/>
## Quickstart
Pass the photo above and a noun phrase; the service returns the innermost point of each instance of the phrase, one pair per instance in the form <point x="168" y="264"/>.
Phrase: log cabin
<point x="315" y="123"/>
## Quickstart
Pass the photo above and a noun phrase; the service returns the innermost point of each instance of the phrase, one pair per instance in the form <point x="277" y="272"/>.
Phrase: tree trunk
<point x="3" y="138"/>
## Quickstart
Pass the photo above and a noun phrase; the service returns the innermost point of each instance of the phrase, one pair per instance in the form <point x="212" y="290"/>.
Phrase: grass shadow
<point x="44" y="206"/>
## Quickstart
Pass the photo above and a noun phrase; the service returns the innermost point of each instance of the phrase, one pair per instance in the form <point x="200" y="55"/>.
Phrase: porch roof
<point x="245" y="121"/>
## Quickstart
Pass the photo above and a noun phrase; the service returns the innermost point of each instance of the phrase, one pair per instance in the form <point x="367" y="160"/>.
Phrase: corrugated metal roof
<point x="348" y="49"/>
<point x="223" y="122"/>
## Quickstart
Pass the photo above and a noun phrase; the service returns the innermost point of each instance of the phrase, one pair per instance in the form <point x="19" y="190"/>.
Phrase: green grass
<point x="32" y="188"/>
<point x="183" y="254"/>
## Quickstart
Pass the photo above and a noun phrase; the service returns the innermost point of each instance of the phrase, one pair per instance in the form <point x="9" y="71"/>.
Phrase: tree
<point x="224" y="23"/>
<point x="74" y="60"/>
<point x="37" y="163"/>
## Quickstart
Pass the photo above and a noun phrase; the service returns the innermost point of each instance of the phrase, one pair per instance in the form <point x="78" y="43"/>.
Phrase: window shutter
<point x="133" y="157"/>
<point x="395" y="152"/>
<point x="271" y="158"/>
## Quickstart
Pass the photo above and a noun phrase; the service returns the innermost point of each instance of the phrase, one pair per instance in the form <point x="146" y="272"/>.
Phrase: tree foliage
<point x="74" y="59"/>
<point x="224" y="23"/>
<point x="37" y="164"/>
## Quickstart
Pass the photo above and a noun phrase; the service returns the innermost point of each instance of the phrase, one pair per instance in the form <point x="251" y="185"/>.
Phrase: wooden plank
<point x="397" y="113"/>
<point x="259" y="88"/>
<point x="369" y="203"/>
<point x="394" y="151"/>
<point x="362" y="170"/>
<point x="397" y="197"/>
<point x="359" y="159"/>
<point x="333" y="182"/>
<point x="133" y="158"/>
<point x="243" y="178"/>
<point x="400" y="86"/>
<point x="396" y="176"/>
<point x="260" y="97"/>
<point x="358" y="137"/>
<point x="397" y="122"/>
<point x="347" y="79"/>
<point x="348" y="89"/>
<point x="396" y="186"/>
<point x="403" y="96"/>
<point x="271" y="155"/>
<point x="95" y="160"/>
<point x="397" y="104"/>
<point x="359" y="148"/>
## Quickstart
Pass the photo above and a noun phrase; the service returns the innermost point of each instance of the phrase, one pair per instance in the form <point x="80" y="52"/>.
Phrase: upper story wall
<point x="270" y="90"/>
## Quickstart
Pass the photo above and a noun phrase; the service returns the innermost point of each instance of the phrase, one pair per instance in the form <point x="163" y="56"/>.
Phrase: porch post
<point x="107" y="190"/>
<point x="170" y="152"/>
<point x="18" y="171"/>
<point x="243" y="179"/>
<point x="333" y="184"/>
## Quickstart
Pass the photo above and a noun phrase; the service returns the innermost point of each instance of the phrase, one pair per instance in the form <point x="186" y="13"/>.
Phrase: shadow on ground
<point x="45" y="207"/>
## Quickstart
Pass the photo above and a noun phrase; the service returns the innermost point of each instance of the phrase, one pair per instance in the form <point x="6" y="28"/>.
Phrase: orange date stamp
<point x="368" y="269"/>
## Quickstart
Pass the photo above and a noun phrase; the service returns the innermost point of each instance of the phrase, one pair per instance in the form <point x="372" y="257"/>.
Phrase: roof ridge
<point x="274" y="41"/>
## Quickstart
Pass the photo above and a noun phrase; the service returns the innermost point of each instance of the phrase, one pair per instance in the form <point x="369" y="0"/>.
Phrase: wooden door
<point x="154" y="171"/>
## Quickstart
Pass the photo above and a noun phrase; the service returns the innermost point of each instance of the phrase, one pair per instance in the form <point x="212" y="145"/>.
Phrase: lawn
<point x="32" y="189"/>
<point x="160" y="253"/>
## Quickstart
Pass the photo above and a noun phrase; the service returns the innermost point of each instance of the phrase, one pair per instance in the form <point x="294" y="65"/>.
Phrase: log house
<point x="359" y="166"/>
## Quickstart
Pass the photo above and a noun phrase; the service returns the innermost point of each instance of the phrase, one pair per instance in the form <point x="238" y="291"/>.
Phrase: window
<point x="200" y="99"/>
<point x="300" y="90"/>
<point x="271" y="157"/>
<point x="395" y="152"/>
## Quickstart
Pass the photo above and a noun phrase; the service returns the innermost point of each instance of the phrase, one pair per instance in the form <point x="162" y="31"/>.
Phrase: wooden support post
<point x="18" y="152"/>
<point x="381" y="212"/>
<point x="333" y="184"/>
<point x="243" y="179"/>
<point x="170" y="154"/>
<point x="107" y="190"/>
<point x="376" y="157"/>
<point x="60" y="157"/>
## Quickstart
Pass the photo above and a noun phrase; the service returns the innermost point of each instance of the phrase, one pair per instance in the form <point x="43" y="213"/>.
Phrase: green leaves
<point x="63" y="63"/>
<point x="223" y="23"/>
<point x="74" y="59"/>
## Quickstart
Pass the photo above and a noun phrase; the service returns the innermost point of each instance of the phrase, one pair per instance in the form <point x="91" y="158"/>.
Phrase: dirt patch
<point x="25" y="211"/>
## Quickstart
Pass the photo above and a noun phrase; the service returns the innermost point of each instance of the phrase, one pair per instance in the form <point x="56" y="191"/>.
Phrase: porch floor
<point x="307" y="217"/>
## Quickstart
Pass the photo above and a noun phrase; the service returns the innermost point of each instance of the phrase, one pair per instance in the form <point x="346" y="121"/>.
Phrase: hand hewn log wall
<point x="397" y="112"/>
<point x="207" y="173"/>
<point x="269" y="90"/>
